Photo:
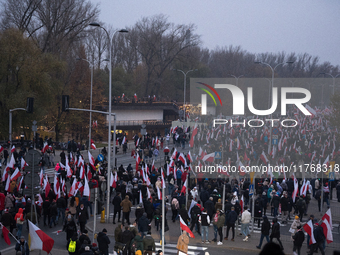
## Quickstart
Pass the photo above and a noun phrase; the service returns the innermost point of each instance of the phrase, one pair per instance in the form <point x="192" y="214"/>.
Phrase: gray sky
<point x="256" y="25"/>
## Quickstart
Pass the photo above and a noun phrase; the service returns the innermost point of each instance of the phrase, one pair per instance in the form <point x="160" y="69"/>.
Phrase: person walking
<point x="73" y="245"/>
<point x="149" y="244"/>
<point x="245" y="219"/>
<point x="265" y="229"/>
<point x="117" y="200"/>
<point x="83" y="216"/>
<point x="103" y="242"/>
<point x="19" y="219"/>
<point x="298" y="238"/>
<point x="204" y="219"/>
<point x="215" y="220"/>
<point x="220" y="224"/>
<point x="126" y="204"/>
<point x="231" y="219"/>
<point x="276" y="232"/>
<point x="143" y="225"/>
<point x="70" y="226"/>
<point x="183" y="243"/>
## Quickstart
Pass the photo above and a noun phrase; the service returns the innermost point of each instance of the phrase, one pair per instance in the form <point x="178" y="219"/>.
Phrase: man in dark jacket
<point x="298" y="238"/>
<point x="84" y="237"/>
<point x="204" y="196"/>
<point x="231" y="219"/>
<point x="275" y="203"/>
<point x="319" y="238"/>
<point x="103" y="242"/>
<point x="276" y="232"/>
<point x="117" y="208"/>
<point x="53" y="213"/>
<point x="210" y="207"/>
<point x="46" y="210"/>
<point x="301" y="206"/>
<point x="61" y="207"/>
<point x="265" y="228"/>
<point x="149" y="209"/>
<point x="83" y="216"/>
<point x="284" y="207"/>
<point x="149" y="244"/>
<point x="22" y="246"/>
<point x="126" y="238"/>
<point x="143" y="225"/>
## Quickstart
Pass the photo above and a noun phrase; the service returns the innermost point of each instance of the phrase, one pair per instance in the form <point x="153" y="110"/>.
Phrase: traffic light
<point x="65" y="103"/>
<point x="29" y="106"/>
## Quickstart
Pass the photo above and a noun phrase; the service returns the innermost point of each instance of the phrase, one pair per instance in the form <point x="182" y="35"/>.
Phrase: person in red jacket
<point x="19" y="219"/>
<point x="2" y="202"/>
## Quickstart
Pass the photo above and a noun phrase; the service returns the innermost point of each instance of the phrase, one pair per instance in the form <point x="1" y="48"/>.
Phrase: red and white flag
<point x="124" y="140"/>
<point x="174" y="154"/>
<point x="148" y="191"/>
<point x="16" y="174"/>
<point x="159" y="193"/>
<point x="327" y="226"/>
<point x="93" y="146"/>
<point x="13" y="149"/>
<point x="264" y="158"/>
<point x="1" y="148"/>
<point x="135" y="97"/>
<point x="68" y="169"/>
<point x="39" y="240"/>
<point x="189" y="157"/>
<point x="91" y="161"/>
<point x="86" y="191"/>
<point x="296" y="189"/>
<point x="185" y="186"/>
<point x="209" y="157"/>
<point x="138" y="160"/>
<point x="5" y="235"/>
<point x="194" y="133"/>
<point x="4" y="175"/>
<point x="23" y="163"/>
<point x="182" y="158"/>
<point x="12" y="161"/>
<point x="8" y="186"/>
<point x="242" y="204"/>
<point x="308" y="227"/>
<point x="140" y="197"/>
<point x="185" y="227"/>
<point x="45" y="147"/>
<point x="113" y="181"/>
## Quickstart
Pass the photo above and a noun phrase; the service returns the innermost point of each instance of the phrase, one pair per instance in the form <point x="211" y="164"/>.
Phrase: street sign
<point x="275" y="131"/>
<point x="274" y="141"/>
<point x="251" y="189"/>
<point x="275" y="137"/>
<point x="218" y="155"/>
<point x="100" y="157"/>
<point x="143" y="131"/>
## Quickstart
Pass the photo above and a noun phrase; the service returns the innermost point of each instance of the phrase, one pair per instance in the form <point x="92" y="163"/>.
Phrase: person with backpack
<point x="137" y="244"/>
<point x="149" y="244"/>
<point x="73" y="245"/>
<point x="70" y="226"/>
<point x="298" y="238"/>
<point x="143" y="225"/>
<point x="204" y="219"/>
<point x="301" y="206"/>
<point x="319" y="238"/>
<point x="265" y="228"/>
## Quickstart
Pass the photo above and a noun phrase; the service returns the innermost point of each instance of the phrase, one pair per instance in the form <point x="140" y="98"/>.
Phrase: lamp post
<point x="236" y="77"/>
<point x="110" y="111"/>
<point x="333" y="79"/>
<point x="185" y="85"/>
<point x="92" y="67"/>
<point x="270" y="95"/>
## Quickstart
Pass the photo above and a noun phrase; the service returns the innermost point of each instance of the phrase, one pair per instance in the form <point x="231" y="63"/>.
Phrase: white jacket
<point x="246" y="217"/>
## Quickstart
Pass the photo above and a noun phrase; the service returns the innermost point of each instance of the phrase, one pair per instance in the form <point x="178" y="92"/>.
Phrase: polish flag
<point x="135" y="97"/>
<point x="16" y="174"/>
<point x="56" y="185"/>
<point x="45" y="147"/>
<point x="124" y="140"/>
<point x="153" y="141"/>
<point x="82" y="172"/>
<point x="326" y="161"/>
<point x="159" y="193"/>
<point x="231" y="145"/>
<point x="148" y="191"/>
<point x="182" y="158"/>
<point x="23" y="163"/>
<point x="89" y="173"/>
<point x="68" y="169"/>
<point x="209" y="157"/>
<point x="63" y="186"/>
<point x="73" y="188"/>
<point x="113" y="181"/>
<point x="153" y="166"/>
<point x="8" y="187"/>
<point x="39" y="240"/>
<point x="86" y="191"/>
<point x="138" y="160"/>
<point x="162" y="176"/>
<point x="238" y="144"/>
<point x="264" y="158"/>
<point x="327" y="226"/>
<point x="296" y="189"/>
<point x="5" y="233"/>
<point x="20" y="183"/>
<point x="12" y="162"/>
<point x="81" y="161"/>
<point x="308" y="227"/>
<point x="41" y="176"/>
<point x="185" y="227"/>
<point x="185" y="185"/>
<point x="91" y="161"/>
<point x="140" y="197"/>
<point x="137" y="142"/>
<point x="245" y="156"/>
<point x="192" y="138"/>
<point x="303" y="187"/>
<point x="4" y="176"/>
<point x="174" y="154"/>
<point x="189" y="157"/>
<point x="13" y="149"/>
<point x="47" y="186"/>
<point x="1" y="148"/>
<point x="93" y="146"/>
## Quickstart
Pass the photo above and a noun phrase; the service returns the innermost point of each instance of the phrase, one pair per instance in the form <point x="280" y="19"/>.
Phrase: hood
<point x="20" y="210"/>
<point x="100" y="234"/>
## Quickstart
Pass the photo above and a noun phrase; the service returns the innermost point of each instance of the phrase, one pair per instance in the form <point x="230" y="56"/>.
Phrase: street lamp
<point x="236" y="78"/>
<point x="333" y="79"/>
<point x="185" y="85"/>
<point x="91" y="66"/>
<point x="94" y="24"/>
<point x="270" y="97"/>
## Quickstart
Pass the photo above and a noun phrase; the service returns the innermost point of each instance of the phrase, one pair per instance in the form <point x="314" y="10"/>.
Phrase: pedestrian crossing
<point x="171" y="248"/>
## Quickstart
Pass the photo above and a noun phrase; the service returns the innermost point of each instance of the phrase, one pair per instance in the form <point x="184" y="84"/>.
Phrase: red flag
<point x="327" y="226"/>
<point x="93" y="146"/>
<point x="1" y="148"/>
<point x="39" y="240"/>
<point x="184" y="227"/>
<point x="184" y="188"/>
<point x="308" y="227"/>
<point x="5" y="233"/>
<point x="13" y="149"/>
<point x="194" y="133"/>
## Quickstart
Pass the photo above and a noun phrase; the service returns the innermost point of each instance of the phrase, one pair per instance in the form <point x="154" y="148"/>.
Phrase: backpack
<point x="72" y="246"/>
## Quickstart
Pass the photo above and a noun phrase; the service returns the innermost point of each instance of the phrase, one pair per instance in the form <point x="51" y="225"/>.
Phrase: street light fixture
<point x="270" y="95"/>
<point x="333" y="79"/>
<point x="185" y="85"/>
<point x="237" y="77"/>
<point x="95" y="24"/>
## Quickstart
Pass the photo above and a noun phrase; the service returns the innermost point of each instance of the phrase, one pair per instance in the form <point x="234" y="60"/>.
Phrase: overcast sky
<point x="256" y="25"/>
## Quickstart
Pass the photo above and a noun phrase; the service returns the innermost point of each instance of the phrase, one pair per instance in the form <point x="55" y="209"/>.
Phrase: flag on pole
<point x="185" y="227"/>
<point x="184" y="188"/>
<point x="13" y="149"/>
<point x="93" y="146"/>
<point x="16" y="174"/>
<point x="5" y="233"/>
<point x="23" y="163"/>
<point x="327" y="226"/>
<point x="308" y="227"/>
<point x="86" y="188"/>
<point x="39" y="240"/>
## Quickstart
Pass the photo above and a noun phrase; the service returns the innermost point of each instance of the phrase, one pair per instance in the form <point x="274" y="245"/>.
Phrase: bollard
<point x="102" y="216"/>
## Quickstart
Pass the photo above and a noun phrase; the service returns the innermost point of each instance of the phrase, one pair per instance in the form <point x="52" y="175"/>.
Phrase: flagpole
<point x="163" y="215"/>
<point x="186" y="193"/>
<point x="95" y="213"/>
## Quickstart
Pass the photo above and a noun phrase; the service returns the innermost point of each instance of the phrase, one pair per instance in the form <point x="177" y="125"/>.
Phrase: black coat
<point x="126" y="237"/>
<point x="103" y="242"/>
<point x="299" y="238"/>
<point x="210" y="207"/>
<point x="116" y="203"/>
<point x="204" y="196"/>
<point x="70" y="228"/>
<point x="231" y="217"/>
<point x="265" y="228"/>
<point x="83" y="215"/>
<point x="143" y="224"/>
<point x="275" y="230"/>
<point x="284" y="204"/>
